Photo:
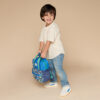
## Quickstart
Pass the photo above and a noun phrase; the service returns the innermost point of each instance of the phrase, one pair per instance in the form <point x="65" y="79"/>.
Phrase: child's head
<point x="48" y="13"/>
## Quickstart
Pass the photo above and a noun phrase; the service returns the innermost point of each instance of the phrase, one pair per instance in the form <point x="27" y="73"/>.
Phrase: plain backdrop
<point x="20" y="26"/>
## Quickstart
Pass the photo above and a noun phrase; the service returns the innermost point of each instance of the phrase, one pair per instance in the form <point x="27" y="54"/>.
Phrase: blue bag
<point x="41" y="70"/>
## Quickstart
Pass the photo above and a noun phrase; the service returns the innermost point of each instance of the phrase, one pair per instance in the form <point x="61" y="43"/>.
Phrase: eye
<point x="46" y="14"/>
<point x="51" y="14"/>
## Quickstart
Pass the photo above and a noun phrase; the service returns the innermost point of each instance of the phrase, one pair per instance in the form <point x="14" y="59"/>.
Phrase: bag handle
<point x="38" y="55"/>
<point x="38" y="61"/>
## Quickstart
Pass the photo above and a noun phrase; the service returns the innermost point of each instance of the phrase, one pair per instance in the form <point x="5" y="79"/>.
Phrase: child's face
<point x="48" y="18"/>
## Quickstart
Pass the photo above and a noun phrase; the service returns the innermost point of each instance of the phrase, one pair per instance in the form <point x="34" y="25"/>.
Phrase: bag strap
<point x="39" y="63"/>
<point x="38" y="55"/>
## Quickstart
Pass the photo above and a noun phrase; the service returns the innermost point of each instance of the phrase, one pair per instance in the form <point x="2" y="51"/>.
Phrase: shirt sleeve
<point x="51" y="35"/>
<point x="41" y="36"/>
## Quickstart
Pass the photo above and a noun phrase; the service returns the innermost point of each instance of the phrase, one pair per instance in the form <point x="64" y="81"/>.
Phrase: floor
<point x="85" y="84"/>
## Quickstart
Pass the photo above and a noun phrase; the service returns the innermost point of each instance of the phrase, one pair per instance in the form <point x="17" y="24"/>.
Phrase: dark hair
<point x="47" y="8"/>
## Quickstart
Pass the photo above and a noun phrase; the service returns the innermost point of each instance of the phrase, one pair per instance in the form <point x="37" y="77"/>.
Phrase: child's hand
<point x="43" y="54"/>
<point x="39" y="51"/>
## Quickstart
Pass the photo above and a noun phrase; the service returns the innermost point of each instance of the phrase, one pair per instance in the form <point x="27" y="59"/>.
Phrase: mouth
<point x="48" y="19"/>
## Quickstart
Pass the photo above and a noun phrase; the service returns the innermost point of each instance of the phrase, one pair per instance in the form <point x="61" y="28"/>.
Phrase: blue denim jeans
<point x="56" y="66"/>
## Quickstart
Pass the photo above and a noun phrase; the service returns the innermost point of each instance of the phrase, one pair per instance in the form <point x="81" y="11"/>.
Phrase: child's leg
<point x="58" y="64"/>
<point x="53" y="71"/>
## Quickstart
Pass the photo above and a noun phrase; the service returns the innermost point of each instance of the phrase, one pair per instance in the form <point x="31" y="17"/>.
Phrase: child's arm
<point x="41" y="45"/>
<point x="45" y="49"/>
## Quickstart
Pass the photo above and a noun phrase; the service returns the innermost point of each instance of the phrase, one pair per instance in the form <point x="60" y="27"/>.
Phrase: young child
<point x="51" y="48"/>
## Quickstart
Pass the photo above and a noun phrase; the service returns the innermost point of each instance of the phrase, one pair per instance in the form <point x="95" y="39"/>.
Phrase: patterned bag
<point x="41" y="70"/>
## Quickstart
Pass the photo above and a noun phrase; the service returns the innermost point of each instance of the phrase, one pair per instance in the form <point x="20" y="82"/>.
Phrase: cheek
<point x="52" y="17"/>
<point x="46" y="17"/>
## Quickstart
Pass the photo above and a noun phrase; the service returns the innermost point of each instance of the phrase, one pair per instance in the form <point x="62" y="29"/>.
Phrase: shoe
<point x="65" y="90"/>
<point x="51" y="84"/>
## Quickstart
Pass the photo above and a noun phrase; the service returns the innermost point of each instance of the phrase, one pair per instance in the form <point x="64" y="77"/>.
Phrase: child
<point x="51" y="48"/>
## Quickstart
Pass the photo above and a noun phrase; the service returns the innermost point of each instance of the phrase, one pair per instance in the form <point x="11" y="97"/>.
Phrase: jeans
<point x="56" y="66"/>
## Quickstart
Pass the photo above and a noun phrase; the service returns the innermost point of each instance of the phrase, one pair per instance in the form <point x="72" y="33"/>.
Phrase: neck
<point x="48" y="24"/>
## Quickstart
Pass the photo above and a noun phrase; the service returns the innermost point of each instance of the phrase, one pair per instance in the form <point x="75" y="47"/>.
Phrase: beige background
<point x="20" y="26"/>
